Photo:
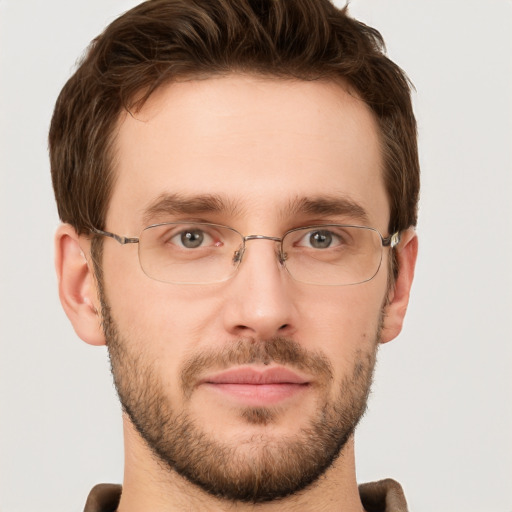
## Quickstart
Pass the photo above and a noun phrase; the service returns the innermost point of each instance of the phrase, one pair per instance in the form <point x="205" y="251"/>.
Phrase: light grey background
<point x="440" y="418"/>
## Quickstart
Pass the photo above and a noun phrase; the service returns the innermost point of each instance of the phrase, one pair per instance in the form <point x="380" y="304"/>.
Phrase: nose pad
<point x="238" y="255"/>
<point x="281" y="256"/>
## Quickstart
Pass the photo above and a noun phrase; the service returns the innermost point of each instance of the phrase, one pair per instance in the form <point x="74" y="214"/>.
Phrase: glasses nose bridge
<point x="261" y="237"/>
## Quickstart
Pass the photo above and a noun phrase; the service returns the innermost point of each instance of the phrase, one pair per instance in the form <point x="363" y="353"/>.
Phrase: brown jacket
<point x="382" y="496"/>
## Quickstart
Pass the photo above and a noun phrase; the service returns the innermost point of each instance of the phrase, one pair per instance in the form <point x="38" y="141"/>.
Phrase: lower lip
<point x="258" y="394"/>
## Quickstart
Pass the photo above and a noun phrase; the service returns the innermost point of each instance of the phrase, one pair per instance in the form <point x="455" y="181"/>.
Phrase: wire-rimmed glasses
<point x="205" y="253"/>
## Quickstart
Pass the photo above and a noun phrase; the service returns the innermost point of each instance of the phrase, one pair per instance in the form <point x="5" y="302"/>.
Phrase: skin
<point x="260" y="143"/>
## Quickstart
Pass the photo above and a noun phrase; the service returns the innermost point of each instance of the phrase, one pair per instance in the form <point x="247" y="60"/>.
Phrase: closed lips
<point x="251" y="376"/>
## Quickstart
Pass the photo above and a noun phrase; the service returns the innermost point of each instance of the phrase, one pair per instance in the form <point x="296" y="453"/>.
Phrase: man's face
<point x="248" y="387"/>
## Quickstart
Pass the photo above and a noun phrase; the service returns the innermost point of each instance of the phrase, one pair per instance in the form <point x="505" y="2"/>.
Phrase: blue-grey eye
<point x="192" y="239"/>
<point x="320" y="239"/>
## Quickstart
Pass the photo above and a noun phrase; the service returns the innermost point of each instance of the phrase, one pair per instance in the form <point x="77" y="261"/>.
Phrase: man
<point x="238" y="186"/>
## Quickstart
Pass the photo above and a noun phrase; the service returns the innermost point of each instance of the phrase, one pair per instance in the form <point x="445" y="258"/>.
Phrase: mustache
<point x="279" y="350"/>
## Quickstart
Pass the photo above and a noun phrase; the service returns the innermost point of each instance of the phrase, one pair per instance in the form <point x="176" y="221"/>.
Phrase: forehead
<point x="256" y="143"/>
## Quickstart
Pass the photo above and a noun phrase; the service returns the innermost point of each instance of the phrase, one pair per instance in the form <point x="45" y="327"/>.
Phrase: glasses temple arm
<point x="121" y="239"/>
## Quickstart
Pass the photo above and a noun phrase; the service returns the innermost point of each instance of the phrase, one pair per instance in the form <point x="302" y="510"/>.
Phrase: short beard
<point x="262" y="468"/>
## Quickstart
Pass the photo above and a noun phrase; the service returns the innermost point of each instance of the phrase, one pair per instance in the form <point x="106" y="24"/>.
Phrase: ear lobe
<point x="398" y="297"/>
<point x="77" y="286"/>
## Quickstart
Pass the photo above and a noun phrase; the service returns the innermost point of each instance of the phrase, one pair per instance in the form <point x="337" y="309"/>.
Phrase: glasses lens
<point x="192" y="253"/>
<point x="202" y="253"/>
<point x="333" y="254"/>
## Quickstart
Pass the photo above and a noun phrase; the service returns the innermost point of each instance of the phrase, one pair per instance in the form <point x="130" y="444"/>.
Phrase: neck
<point x="150" y="485"/>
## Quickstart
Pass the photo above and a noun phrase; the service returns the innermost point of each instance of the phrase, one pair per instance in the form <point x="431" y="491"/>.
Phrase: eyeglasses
<point x="204" y="253"/>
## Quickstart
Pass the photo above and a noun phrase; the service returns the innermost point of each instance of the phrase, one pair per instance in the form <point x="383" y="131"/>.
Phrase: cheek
<point x="166" y="323"/>
<point x="343" y="323"/>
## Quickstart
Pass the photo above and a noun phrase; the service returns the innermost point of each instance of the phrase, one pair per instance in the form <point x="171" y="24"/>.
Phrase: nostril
<point x="242" y="327"/>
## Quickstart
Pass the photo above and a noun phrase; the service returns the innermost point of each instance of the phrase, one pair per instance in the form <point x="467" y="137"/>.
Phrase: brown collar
<point x="382" y="496"/>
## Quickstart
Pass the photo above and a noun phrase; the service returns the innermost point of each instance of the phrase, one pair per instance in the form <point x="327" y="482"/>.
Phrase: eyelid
<point x="318" y="223"/>
<point x="183" y="220"/>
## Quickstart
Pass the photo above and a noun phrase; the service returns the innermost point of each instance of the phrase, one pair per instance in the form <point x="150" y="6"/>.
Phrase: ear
<point x="398" y="295"/>
<point x="77" y="286"/>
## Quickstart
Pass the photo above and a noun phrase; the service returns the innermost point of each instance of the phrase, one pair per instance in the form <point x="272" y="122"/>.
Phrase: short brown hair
<point x="160" y="41"/>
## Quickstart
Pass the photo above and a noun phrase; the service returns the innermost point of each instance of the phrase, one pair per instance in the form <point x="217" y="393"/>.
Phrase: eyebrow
<point x="178" y="204"/>
<point x="323" y="206"/>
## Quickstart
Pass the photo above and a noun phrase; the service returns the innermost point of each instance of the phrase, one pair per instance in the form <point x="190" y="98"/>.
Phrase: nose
<point x="259" y="302"/>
